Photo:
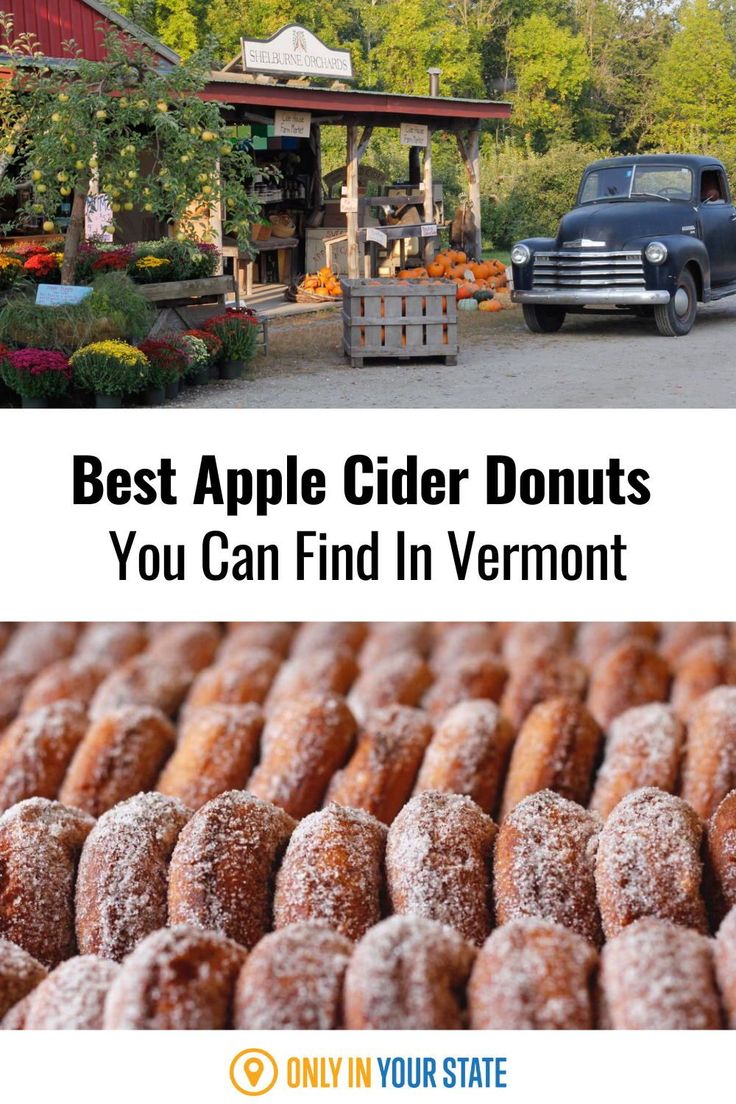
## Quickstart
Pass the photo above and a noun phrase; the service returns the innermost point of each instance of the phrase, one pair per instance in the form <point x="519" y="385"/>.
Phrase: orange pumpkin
<point x="464" y="292"/>
<point x="490" y="305"/>
<point x="460" y="257"/>
<point x="406" y="274"/>
<point x="436" y="268"/>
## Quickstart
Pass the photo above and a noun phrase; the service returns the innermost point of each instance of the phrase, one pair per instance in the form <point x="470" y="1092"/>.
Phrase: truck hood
<point x="618" y="224"/>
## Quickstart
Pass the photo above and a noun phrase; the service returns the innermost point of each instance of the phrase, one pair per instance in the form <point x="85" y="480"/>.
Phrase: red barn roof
<point x="54" y="22"/>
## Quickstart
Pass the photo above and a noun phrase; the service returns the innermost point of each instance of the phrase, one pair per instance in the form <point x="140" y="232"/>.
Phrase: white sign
<point x="348" y="206"/>
<point x="295" y="51"/>
<point x="414" y="134"/>
<point x="292" y="124"/>
<point x="60" y="295"/>
<point x="374" y="235"/>
<point x="429" y="230"/>
<point x="98" y="217"/>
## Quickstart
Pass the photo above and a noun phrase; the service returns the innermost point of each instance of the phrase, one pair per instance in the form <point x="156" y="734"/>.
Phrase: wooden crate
<point x="399" y="319"/>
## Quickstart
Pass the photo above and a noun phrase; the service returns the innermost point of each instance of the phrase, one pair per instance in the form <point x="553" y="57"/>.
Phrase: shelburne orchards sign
<point x="295" y="52"/>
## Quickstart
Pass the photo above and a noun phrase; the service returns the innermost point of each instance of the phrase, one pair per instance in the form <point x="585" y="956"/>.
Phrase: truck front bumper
<point x="593" y="297"/>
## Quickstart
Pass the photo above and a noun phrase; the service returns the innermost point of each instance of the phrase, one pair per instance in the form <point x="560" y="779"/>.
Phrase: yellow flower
<point x="119" y="350"/>
<point x="151" y="262"/>
<point x="10" y="262"/>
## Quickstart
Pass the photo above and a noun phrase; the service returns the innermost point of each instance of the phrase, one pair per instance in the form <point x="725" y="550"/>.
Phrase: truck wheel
<point x="676" y="318"/>
<point x="543" y="319"/>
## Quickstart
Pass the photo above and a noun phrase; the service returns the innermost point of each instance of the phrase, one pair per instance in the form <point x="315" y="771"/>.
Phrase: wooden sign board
<point x="292" y="124"/>
<point x="348" y="206"/>
<point x="56" y="295"/>
<point x="414" y="134"/>
<point x="295" y="52"/>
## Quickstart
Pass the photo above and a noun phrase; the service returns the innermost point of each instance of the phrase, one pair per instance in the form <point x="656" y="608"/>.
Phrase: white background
<point x="56" y="560"/>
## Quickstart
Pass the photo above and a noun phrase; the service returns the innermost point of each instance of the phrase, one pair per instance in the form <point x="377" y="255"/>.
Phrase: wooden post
<point x="352" y="202"/>
<point x="428" y="195"/>
<point x="469" y="147"/>
<point x="316" y="198"/>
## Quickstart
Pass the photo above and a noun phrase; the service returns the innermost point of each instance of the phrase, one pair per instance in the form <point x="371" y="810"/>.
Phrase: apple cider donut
<point x="380" y="774"/>
<point x="246" y="677"/>
<point x="459" y="642"/>
<point x="292" y="980"/>
<point x="333" y="871"/>
<point x="709" y="663"/>
<point x="40" y="844"/>
<point x="478" y="676"/>
<point x="190" y="645"/>
<point x="73" y="679"/>
<point x="20" y="973"/>
<point x="313" y="635"/>
<point x="72" y="997"/>
<point x="720" y="858"/>
<point x="123" y="876"/>
<point x="399" y="679"/>
<point x="177" y="979"/>
<point x="545" y="864"/>
<point x="556" y="750"/>
<point x="523" y="639"/>
<point x="15" y="1019"/>
<point x="14" y="682"/>
<point x="677" y="637"/>
<point x="659" y="976"/>
<point x="386" y="638"/>
<point x="648" y="863"/>
<point x="468" y="754"/>
<point x="532" y="974"/>
<point x="142" y="681"/>
<point x="709" y="770"/>
<point x="725" y="961"/>
<point x="595" y="638"/>
<point x="438" y="862"/>
<point x="324" y="671"/>
<point x="216" y="752"/>
<point x="112" y="641"/>
<point x="643" y="748"/>
<point x="408" y="973"/>
<point x="537" y="676"/>
<point x="223" y="868"/>
<point x="632" y="673"/>
<point x="304" y="743"/>
<point x="241" y="635"/>
<point x="122" y="753"/>
<point x="35" y="751"/>
<point x="36" y="644"/>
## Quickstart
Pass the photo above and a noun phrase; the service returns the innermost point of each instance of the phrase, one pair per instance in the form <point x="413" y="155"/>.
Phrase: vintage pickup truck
<point x="655" y="234"/>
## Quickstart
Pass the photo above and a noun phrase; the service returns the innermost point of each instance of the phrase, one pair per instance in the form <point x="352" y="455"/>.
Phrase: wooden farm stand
<point x="399" y="319"/>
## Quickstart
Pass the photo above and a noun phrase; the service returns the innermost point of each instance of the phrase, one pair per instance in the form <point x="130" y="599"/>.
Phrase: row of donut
<point x="406" y="973"/>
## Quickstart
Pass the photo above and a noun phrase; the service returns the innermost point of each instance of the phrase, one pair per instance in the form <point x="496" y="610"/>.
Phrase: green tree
<point x="552" y="70"/>
<point x="176" y="25"/>
<point x="419" y="35"/>
<point x="693" y="100"/>
<point x="93" y="121"/>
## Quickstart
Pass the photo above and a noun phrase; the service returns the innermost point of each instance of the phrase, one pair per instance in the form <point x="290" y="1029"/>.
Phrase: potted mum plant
<point x="35" y="374"/>
<point x="197" y="357"/>
<point x="110" y="369"/>
<point x="214" y="348"/>
<point x="168" y="365"/>
<point x="237" y="329"/>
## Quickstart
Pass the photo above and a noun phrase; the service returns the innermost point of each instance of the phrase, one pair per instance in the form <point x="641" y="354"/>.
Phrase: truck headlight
<point x="656" y="252"/>
<point x="521" y="254"/>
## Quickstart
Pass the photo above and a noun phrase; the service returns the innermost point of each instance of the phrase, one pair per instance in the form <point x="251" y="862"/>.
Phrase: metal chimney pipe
<point x="434" y="81"/>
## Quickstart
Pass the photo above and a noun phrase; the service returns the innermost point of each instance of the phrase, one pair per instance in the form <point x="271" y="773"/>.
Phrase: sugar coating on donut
<point x="333" y="871"/>
<point x="19" y="974"/>
<point x="179" y="978"/>
<point x="222" y="871"/>
<point x="216" y="750"/>
<point x="709" y="770"/>
<point x="36" y="749"/>
<point x="399" y="679"/>
<point x="313" y="635"/>
<point x="381" y="772"/>
<point x="632" y="673"/>
<point x="72" y="998"/>
<point x="112" y="641"/>
<point x="246" y="677"/>
<point x="725" y="960"/>
<point x="458" y="642"/>
<point x="677" y="637"/>
<point x="556" y="749"/>
<point x="438" y="862"/>
<point x="408" y="973"/>
<point x="13" y="684"/>
<point x="709" y="663"/>
<point x="293" y="980"/>
<point x="643" y="748"/>
<point x="36" y="644"/>
<point x="541" y="674"/>
<point x="532" y="974"/>
<point x="142" y="681"/>
<point x="594" y="638"/>
<point x="385" y="638"/>
<point x="720" y="858"/>
<point x="190" y="645"/>
<point x="468" y="753"/>
<point x="275" y="635"/>
<point x="649" y="864"/>
<point x="122" y="881"/>
<point x="327" y="670"/>
<point x="523" y="639"/>
<point x="658" y="976"/>
<point x="545" y="862"/>
<point x="475" y="676"/>
<point x="72" y="679"/>
<point x="40" y="843"/>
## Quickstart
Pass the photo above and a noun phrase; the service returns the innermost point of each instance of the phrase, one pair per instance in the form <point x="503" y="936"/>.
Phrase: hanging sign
<point x="374" y="235"/>
<point x="292" y="124"/>
<point x="295" y="52"/>
<point x="414" y="134"/>
<point x="429" y="230"/>
<point x="348" y="205"/>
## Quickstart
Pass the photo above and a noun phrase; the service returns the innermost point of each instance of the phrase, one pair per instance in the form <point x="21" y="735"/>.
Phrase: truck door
<point x="718" y="220"/>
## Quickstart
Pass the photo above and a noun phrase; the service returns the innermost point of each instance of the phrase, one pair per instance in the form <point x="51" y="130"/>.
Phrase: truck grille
<point x="580" y="270"/>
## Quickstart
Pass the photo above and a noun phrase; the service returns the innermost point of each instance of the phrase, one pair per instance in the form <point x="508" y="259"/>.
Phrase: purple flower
<point x="37" y="362"/>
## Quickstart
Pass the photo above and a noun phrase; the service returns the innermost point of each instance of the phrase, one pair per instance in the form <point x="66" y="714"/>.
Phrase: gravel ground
<point x="593" y="362"/>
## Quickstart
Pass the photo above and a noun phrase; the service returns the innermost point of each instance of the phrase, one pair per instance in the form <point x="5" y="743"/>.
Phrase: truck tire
<point x="541" y="319"/>
<point x="676" y="318"/>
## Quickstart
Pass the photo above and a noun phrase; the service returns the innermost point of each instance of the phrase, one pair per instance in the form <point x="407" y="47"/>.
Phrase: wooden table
<point x="244" y="263"/>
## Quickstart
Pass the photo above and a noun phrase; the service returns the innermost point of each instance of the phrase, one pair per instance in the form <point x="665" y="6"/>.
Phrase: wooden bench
<point x="181" y="292"/>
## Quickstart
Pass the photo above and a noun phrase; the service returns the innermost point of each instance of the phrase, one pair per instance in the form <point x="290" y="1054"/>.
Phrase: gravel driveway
<point x="593" y="362"/>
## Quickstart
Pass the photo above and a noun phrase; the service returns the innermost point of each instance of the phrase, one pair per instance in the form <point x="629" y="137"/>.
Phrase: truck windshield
<point x="633" y="181"/>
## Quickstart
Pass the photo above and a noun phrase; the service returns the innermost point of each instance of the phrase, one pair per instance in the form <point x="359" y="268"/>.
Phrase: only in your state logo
<point x="254" y="1072"/>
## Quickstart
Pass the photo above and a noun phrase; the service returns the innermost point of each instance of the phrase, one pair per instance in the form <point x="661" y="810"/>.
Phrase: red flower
<point x="37" y="362"/>
<point x="41" y="264"/>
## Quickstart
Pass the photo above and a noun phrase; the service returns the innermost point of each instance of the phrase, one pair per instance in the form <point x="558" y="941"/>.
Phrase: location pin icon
<point x="253" y="1070"/>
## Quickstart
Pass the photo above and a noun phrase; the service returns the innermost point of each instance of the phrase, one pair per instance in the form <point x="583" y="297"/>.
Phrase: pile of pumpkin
<point x="476" y="282"/>
<point x="323" y="283"/>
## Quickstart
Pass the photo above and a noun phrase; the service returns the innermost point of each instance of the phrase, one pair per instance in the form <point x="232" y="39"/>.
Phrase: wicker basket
<point x="282" y="225"/>
<point x="297" y="294"/>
